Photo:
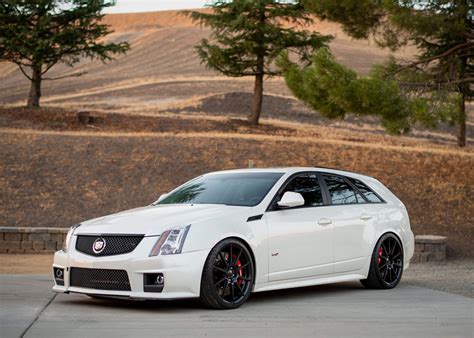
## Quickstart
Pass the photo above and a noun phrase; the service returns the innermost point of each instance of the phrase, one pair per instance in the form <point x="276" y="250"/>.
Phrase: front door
<point x="301" y="239"/>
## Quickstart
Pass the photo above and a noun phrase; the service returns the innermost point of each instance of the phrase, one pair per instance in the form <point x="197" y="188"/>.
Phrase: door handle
<point x="365" y="217"/>
<point x="324" y="221"/>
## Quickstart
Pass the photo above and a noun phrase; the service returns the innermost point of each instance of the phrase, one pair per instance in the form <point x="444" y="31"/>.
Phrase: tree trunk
<point x="462" y="122"/>
<point x="35" y="90"/>
<point x="254" y="115"/>
<point x="463" y="88"/>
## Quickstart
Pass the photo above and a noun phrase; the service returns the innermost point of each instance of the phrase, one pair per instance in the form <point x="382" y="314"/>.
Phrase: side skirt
<point x="302" y="282"/>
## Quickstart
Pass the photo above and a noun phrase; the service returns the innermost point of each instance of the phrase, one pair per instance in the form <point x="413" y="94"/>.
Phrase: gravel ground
<point x="454" y="276"/>
<point x="25" y="264"/>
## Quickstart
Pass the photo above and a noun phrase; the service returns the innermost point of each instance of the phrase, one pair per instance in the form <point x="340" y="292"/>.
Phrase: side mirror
<point x="161" y="198"/>
<point x="291" y="199"/>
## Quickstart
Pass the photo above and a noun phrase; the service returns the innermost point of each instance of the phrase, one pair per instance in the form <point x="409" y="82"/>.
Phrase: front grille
<point x="101" y="279"/>
<point x="113" y="244"/>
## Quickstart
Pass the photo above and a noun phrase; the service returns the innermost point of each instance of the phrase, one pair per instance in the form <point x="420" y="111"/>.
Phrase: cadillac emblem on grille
<point x="99" y="245"/>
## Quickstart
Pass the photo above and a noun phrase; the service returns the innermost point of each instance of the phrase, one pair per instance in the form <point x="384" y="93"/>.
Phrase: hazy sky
<point x="128" y="6"/>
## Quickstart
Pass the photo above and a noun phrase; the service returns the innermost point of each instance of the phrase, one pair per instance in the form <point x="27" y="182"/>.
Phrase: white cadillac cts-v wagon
<point x="226" y="234"/>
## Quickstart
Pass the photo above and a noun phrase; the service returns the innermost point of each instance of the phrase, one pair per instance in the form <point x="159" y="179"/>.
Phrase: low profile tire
<point x="386" y="265"/>
<point x="228" y="275"/>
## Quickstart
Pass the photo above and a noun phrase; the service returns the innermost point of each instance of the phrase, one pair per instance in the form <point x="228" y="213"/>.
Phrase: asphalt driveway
<point x="29" y="308"/>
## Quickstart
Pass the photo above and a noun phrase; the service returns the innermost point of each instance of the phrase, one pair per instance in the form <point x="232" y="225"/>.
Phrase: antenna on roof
<point x="251" y="164"/>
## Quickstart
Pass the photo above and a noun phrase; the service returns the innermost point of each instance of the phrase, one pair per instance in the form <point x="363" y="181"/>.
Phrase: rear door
<point x="353" y="219"/>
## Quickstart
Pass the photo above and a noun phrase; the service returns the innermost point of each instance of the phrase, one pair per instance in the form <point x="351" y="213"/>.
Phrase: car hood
<point x="153" y="220"/>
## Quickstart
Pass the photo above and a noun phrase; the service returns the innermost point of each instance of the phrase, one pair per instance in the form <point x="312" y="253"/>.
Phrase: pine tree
<point x="443" y="33"/>
<point x="248" y="35"/>
<point x="335" y="90"/>
<point x="38" y="34"/>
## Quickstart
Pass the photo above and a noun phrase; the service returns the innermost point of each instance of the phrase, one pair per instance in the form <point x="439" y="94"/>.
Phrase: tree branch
<point x="48" y="67"/>
<point x="64" y="77"/>
<point x="440" y="56"/>
<point x="23" y="71"/>
<point x="436" y="85"/>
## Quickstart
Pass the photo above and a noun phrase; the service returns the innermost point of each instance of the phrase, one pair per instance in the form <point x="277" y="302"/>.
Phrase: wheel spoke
<point x="232" y="287"/>
<point x="227" y="286"/>
<point x="384" y="274"/>
<point x="220" y="269"/>
<point x="237" y="258"/>
<point x="393" y="248"/>
<point x="219" y="282"/>
<point x="240" y="289"/>
<point x="223" y="259"/>
<point x="243" y="266"/>
<point x="396" y="272"/>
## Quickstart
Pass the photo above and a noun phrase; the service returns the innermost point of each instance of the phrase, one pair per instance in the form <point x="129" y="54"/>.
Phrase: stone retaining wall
<point x="31" y="240"/>
<point x="429" y="249"/>
<point x="49" y="240"/>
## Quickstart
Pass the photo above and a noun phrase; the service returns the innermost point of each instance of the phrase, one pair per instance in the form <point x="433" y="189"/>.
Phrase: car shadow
<point x="306" y="292"/>
<point x="183" y="305"/>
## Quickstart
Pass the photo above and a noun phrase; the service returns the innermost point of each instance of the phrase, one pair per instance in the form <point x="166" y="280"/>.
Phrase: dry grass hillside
<point x="161" y="68"/>
<point x="160" y="118"/>
<point x="56" y="171"/>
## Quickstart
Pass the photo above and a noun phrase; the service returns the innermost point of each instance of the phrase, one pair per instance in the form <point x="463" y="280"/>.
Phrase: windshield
<point x="240" y="189"/>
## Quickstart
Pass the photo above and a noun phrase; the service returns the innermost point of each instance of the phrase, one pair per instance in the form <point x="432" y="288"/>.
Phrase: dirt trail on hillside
<point x="162" y="50"/>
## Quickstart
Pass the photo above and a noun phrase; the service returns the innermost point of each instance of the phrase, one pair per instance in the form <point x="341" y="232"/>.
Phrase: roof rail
<point x="347" y="171"/>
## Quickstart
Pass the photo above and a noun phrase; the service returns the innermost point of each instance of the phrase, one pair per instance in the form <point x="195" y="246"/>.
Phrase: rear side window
<point x="340" y="191"/>
<point x="308" y="186"/>
<point x="369" y="194"/>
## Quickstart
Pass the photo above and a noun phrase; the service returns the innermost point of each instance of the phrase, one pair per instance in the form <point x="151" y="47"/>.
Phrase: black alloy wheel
<point x="228" y="275"/>
<point x="386" y="266"/>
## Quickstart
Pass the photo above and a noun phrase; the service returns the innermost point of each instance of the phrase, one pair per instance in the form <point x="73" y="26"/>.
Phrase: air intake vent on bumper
<point x="100" y="279"/>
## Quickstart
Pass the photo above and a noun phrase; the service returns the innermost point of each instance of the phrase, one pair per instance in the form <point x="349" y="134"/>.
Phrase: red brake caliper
<point x="240" y="281"/>
<point x="379" y="259"/>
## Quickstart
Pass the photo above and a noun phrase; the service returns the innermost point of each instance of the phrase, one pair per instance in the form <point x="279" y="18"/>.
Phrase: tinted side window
<point x="369" y="194"/>
<point x="308" y="186"/>
<point x="340" y="191"/>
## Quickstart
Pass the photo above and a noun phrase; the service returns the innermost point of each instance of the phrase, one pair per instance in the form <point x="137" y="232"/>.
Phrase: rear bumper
<point x="182" y="273"/>
<point x="408" y="249"/>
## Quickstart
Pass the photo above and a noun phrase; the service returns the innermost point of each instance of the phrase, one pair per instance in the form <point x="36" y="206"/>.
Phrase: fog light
<point x="159" y="279"/>
<point x="58" y="276"/>
<point x="153" y="282"/>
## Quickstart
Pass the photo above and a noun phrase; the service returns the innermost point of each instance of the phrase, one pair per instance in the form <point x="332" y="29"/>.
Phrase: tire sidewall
<point x="384" y="284"/>
<point x="207" y="274"/>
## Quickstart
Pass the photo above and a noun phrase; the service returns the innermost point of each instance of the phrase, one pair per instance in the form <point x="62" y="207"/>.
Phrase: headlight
<point x="69" y="236"/>
<point x="170" y="242"/>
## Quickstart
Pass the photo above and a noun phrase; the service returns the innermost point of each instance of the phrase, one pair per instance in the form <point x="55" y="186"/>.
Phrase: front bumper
<point x="182" y="272"/>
